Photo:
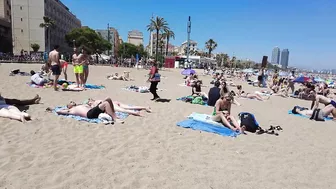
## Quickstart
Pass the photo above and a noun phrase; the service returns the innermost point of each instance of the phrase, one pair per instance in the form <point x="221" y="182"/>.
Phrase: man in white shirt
<point x="37" y="79"/>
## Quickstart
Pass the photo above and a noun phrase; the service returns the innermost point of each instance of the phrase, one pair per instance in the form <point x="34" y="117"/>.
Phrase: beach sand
<point x="151" y="151"/>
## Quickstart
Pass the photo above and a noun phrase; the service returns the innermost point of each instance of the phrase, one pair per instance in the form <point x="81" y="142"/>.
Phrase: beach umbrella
<point x="188" y="72"/>
<point x="304" y="79"/>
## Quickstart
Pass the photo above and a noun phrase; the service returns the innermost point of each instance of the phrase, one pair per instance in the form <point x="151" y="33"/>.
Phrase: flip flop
<point x="277" y="127"/>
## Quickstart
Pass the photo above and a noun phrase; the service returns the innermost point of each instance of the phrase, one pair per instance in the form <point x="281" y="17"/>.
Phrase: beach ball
<point x="65" y="85"/>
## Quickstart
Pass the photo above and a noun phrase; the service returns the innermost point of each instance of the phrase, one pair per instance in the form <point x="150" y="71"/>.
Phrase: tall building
<point x="152" y="44"/>
<point x="112" y="37"/>
<point x="5" y="26"/>
<point x="135" y="37"/>
<point x="184" y="45"/>
<point x="27" y="15"/>
<point x="275" y="55"/>
<point x="284" y="58"/>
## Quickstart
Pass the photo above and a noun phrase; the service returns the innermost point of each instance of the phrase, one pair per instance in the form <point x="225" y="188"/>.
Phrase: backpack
<point x="248" y="120"/>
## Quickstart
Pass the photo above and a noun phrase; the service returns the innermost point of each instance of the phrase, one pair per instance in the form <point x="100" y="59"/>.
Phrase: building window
<point x="21" y="19"/>
<point x="8" y="13"/>
<point x="20" y="8"/>
<point x="21" y="30"/>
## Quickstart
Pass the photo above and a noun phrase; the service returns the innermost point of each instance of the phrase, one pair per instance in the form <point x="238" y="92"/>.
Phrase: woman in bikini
<point x="120" y="107"/>
<point x="12" y="112"/>
<point x="222" y="113"/>
<point x="242" y="94"/>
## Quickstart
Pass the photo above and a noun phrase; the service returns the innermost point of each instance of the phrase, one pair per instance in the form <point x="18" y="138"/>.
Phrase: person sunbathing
<point x="37" y="78"/>
<point x="120" y="107"/>
<point x="12" y="112"/>
<point x="242" y="94"/>
<point x="196" y="90"/>
<point x="316" y="114"/>
<point x="91" y="112"/>
<point x="222" y="113"/>
<point x="18" y="102"/>
<point x="321" y="99"/>
<point x="116" y="76"/>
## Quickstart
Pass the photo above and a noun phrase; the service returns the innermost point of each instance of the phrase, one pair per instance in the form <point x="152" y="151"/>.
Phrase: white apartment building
<point x="135" y="37"/>
<point x="27" y="15"/>
<point x="184" y="45"/>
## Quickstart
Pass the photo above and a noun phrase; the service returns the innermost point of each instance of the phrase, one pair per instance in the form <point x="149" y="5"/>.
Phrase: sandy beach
<point x="151" y="151"/>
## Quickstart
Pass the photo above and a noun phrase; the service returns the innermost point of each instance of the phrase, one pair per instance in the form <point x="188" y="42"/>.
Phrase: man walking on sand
<point x="54" y="60"/>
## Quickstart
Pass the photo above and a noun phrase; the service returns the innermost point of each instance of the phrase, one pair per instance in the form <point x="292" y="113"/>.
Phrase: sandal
<point x="278" y="128"/>
<point x="48" y="109"/>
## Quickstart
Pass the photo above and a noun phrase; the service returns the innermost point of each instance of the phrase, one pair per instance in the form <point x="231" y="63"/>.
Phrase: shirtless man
<point x="119" y="107"/>
<point x="87" y="111"/>
<point x="222" y="114"/>
<point x="322" y="99"/>
<point x="83" y="59"/>
<point x="78" y="68"/>
<point x="321" y="113"/>
<point x="54" y="60"/>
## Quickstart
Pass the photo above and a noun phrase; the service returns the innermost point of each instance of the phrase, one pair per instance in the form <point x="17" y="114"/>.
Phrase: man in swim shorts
<point x="86" y="111"/>
<point x="64" y="66"/>
<point x="78" y="68"/>
<point x="322" y="99"/>
<point x="54" y="60"/>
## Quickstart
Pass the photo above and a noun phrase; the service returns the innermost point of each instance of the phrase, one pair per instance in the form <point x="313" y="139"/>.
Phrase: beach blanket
<point x="203" y="122"/>
<point x="299" y="115"/>
<point x="194" y="100"/>
<point x="120" y="115"/>
<point x="141" y="89"/>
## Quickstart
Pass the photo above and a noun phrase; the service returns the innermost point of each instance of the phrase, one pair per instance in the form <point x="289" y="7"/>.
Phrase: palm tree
<point x="210" y="45"/>
<point x="47" y="24"/>
<point x="168" y="34"/>
<point x="157" y="24"/>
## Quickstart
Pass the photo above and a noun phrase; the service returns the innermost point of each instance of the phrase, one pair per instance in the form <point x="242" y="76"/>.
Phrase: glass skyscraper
<point x="284" y="58"/>
<point x="275" y="55"/>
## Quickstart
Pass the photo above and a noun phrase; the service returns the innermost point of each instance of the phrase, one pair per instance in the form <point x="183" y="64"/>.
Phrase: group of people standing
<point x="80" y="63"/>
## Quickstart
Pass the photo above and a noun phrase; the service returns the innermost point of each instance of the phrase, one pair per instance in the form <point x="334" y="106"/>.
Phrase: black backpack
<point x="248" y="121"/>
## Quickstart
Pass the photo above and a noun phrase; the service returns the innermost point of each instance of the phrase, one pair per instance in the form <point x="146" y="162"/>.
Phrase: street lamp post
<point x="188" y="43"/>
<point x="108" y="38"/>
<point x="74" y="43"/>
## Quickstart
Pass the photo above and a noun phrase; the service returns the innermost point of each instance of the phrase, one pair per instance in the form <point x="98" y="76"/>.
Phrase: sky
<point x="248" y="29"/>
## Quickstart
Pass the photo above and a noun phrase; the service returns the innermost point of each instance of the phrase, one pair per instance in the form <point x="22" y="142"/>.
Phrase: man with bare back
<point x="54" y="61"/>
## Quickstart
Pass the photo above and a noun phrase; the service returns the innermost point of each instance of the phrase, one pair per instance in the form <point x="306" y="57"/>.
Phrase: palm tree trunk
<point x="157" y="45"/>
<point x="167" y="46"/>
<point x="48" y="39"/>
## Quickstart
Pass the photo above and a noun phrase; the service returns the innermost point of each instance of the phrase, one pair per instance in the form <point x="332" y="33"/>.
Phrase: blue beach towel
<point x="299" y="115"/>
<point x="207" y="127"/>
<point x="120" y="115"/>
<point x="92" y="86"/>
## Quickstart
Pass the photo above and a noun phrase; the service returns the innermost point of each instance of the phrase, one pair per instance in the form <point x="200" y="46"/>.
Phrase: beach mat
<point x="207" y="127"/>
<point x="299" y="115"/>
<point x="120" y="115"/>
<point x="87" y="86"/>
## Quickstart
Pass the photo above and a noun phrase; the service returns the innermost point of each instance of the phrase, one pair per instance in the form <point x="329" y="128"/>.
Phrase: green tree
<point x="210" y="45"/>
<point x="48" y="23"/>
<point x="221" y="59"/>
<point x="35" y="47"/>
<point x="168" y="34"/>
<point x="86" y="37"/>
<point x="158" y="25"/>
<point x="129" y="50"/>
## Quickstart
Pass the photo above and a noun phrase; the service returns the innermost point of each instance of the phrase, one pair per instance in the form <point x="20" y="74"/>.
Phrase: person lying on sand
<point x="242" y="94"/>
<point x="120" y="107"/>
<point x="17" y="102"/>
<point x="321" y="99"/>
<point x="93" y="112"/>
<point x="37" y="78"/>
<point x="221" y="113"/>
<point x="124" y="77"/>
<point x="12" y="112"/>
<point x="316" y="114"/>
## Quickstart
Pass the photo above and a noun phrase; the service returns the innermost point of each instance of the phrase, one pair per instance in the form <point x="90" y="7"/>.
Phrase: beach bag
<point x="198" y="100"/>
<point x="157" y="77"/>
<point x="248" y="120"/>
